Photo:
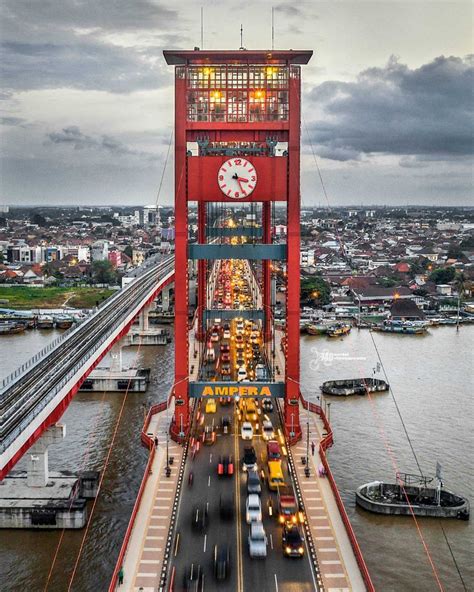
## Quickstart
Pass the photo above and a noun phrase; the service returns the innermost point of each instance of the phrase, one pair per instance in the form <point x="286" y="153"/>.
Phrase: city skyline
<point x="88" y="102"/>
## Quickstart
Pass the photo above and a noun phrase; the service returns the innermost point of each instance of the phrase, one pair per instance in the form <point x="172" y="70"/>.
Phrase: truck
<point x="287" y="506"/>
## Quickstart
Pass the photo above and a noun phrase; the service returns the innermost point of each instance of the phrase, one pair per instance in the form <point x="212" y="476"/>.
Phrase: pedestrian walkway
<point x="143" y="558"/>
<point x="337" y="562"/>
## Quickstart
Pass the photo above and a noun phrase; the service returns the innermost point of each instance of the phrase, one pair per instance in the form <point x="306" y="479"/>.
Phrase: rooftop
<point x="175" y="57"/>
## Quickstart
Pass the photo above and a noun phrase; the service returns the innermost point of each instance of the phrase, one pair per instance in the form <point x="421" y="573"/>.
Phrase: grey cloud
<point x="85" y="66"/>
<point x="398" y="110"/>
<point x="412" y="162"/>
<point x="107" y="15"/>
<point x="73" y="137"/>
<point x="289" y="9"/>
<point x="13" y="121"/>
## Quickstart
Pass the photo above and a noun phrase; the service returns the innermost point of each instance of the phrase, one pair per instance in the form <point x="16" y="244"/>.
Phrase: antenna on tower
<point x="273" y="28"/>
<point x="202" y="27"/>
<point x="241" y="37"/>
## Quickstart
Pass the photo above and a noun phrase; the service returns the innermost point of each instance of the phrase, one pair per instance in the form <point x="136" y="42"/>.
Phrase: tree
<point x="103" y="272"/>
<point x="38" y="219"/>
<point x="315" y="290"/>
<point x="454" y="252"/>
<point x="444" y="275"/>
<point x="128" y="251"/>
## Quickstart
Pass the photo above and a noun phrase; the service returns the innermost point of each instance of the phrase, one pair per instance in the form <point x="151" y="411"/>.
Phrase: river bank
<point x="28" y="298"/>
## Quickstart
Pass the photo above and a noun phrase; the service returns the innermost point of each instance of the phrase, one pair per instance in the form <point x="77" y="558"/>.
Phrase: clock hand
<point x="242" y="179"/>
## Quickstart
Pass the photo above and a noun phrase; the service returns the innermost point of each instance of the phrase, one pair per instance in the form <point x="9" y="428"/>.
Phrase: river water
<point x="431" y="377"/>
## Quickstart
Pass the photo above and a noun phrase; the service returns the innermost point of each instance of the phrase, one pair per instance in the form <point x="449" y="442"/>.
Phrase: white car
<point x="268" y="432"/>
<point x="241" y="374"/>
<point x="257" y="540"/>
<point x="253" y="509"/>
<point x="246" y="431"/>
<point x="226" y="334"/>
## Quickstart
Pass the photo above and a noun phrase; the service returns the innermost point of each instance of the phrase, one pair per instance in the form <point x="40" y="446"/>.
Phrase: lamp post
<point x="329" y="412"/>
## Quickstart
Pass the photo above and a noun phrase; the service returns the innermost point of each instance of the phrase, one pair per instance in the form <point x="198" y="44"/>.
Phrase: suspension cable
<point x="104" y="470"/>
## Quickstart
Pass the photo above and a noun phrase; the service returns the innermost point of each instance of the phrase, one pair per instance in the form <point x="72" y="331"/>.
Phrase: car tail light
<point x="231" y="469"/>
<point x="220" y="469"/>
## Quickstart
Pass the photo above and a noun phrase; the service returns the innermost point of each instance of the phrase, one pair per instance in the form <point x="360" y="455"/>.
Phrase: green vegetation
<point x="444" y="275"/>
<point x="24" y="297"/>
<point x="315" y="291"/>
<point x="104" y="272"/>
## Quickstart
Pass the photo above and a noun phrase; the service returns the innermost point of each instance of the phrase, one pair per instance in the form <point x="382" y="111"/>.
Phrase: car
<point x="253" y="508"/>
<point x="221" y="562"/>
<point x="292" y="540"/>
<point x="225" y="466"/>
<point x="225" y="357"/>
<point x="226" y="334"/>
<point x="261" y="372"/>
<point x="241" y="374"/>
<point x="226" y="424"/>
<point x="239" y="339"/>
<point x="249" y="460"/>
<point x="273" y="450"/>
<point x="268" y="432"/>
<point x="199" y="518"/>
<point x="208" y="436"/>
<point x="211" y="406"/>
<point x="251" y="411"/>
<point x="225" y="369"/>
<point x="257" y="540"/>
<point x="253" y="481"/>
<point x="193" y="578"/>
<point x="246" y="431"/>
<point x="210" y="354"/>
<point x="267" y="405"/>
<point x="215" y="336"/>
<point x="225" y="347"/>
<point x="239" y="362"/>
<point x="226" y="508"/>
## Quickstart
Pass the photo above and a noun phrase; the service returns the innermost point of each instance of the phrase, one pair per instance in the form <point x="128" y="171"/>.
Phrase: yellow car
<point x="211" y="406"/>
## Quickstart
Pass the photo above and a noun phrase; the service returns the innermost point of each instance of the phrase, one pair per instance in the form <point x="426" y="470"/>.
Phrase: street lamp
<point x="329" y="412"/>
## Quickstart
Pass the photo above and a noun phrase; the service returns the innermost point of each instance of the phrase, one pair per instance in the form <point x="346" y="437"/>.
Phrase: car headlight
<point x="301" y="550"/>
<point x="288" y="550"/>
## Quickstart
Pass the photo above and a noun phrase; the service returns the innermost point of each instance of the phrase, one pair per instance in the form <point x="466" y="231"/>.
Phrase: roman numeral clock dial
<point x="237" y="178"/>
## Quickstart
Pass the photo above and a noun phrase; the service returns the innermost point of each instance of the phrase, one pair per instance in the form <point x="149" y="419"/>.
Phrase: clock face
<point x="237" y="178"/>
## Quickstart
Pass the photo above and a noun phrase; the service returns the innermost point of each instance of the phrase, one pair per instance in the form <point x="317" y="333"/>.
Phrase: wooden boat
<point x="11" y="327"/>
<point x="44" y="322"/>
<point x="63" y="321"/>
<point x="354" y="386"/>
<point x="338" y="330"/>
<point x="401" y="327"/>
<point x="412" y="494"/>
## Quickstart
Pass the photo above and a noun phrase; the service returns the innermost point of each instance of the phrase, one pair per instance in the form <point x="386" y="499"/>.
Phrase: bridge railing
<point x="148" y="442"/>
<point x="327" y="441"/>
<point x="58" y="386"/>
<point x="21" y="370"/>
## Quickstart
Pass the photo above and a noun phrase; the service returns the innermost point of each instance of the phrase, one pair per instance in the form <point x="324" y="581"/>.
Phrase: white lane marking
<point x="331" y="562"/>
<point x="327" y="550"/>
<point x="205" y="542"/>
<point x="334" y="575"/>
<point x="276" y="583"/>
<point x="209" y="481"/>
<point x="271" y="540"/>
<point x="210" y="458"/>
<point x="323" y="538"/>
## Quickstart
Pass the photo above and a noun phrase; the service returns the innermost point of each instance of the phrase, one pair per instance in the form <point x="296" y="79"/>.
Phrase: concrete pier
<point x="39" y="498"/>
<point x="62" y="503"/>
<point x="116" y="378"/>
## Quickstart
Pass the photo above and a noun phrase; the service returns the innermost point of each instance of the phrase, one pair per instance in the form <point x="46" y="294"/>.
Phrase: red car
<point x="225" y="357"/>
<point x="225" y="466"/>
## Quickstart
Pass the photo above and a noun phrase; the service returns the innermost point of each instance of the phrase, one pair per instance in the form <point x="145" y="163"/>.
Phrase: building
<point x="306" y="258"/>
<point x="115" y="257"/>
<point x="406" y="310"/>
<point x="100" y="251"/>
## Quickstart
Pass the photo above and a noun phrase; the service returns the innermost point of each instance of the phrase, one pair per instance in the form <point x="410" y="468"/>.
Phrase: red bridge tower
<point x="237" y="111"/>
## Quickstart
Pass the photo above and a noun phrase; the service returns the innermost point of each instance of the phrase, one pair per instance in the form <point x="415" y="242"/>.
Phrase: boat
<point x="354" y="386"/>
<point x="401" y="327"/>
<point x="338" y="330"/>
<point x="412" y="494"/>
<point x="63" y="321"/>
<point x="44" y="322"/>
<point x="11" y="327"/>
<point x="317" y="328"/>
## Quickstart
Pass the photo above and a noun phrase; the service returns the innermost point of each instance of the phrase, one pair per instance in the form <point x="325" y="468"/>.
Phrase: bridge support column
<point x="116" y="357"/>
<point x="165" y="299"/>
<point x="143" y="319"/>
<point x="38" y="466"/>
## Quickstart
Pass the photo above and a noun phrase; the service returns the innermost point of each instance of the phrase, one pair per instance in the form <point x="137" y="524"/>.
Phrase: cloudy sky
<point x="87" y="101"/>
